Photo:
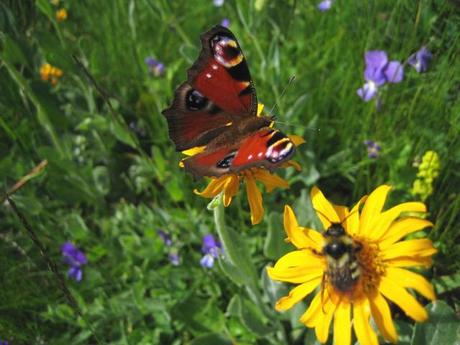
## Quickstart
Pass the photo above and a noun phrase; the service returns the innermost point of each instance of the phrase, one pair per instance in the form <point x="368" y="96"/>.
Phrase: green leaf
<point x="441" y="328"/>
<point x="211" y="339"/>
<point x="249" y="314"/>
<point x="253" y="318"/>
<point x="232" y="272"/>
<point x="122" y="133"/>
<point x="447" y="283"/>
<point x="275" y="246"/>
<point x="175" y="190"/>
<point x="101" y="179"/>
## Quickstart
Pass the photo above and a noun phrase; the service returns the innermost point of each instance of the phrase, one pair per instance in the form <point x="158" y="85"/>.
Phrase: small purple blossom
<point x="420" y="60"/>
<point x="75" y="258"/>
<point x="378" y="72"/>
<point x="174" y="258"/>
<point x="157" y="68"/>
<point x="218" y="3"/>
<point x="325" y="5"/>
<point x="225" y="22"/>
<point x="211" y="250"/>
<point x="165" y="237"/>
<point x="373" y="148"/>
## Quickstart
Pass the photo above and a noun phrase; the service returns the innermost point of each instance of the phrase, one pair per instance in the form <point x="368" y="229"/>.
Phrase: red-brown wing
<point x="264" y="148"/>
<point x="219" y="91"/>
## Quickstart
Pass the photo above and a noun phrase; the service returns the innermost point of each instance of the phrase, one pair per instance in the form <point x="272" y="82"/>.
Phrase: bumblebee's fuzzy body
<point x="343" y="270"/>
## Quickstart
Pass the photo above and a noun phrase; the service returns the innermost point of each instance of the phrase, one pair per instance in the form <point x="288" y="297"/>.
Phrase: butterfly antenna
<point x="290" y="81"/>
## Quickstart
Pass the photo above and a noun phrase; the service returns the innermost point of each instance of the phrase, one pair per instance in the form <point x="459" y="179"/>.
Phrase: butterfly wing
<point x="219" y="90"/>
<point x="266" y="147"/>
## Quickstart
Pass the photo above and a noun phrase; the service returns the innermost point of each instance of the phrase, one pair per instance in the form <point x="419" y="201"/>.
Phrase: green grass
<point x="108" y="187"/>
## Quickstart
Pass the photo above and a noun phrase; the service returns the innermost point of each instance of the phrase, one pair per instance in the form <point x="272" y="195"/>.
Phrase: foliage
<point x="113" y="179"/>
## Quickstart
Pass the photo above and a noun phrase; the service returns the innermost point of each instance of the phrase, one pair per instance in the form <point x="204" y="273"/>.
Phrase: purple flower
<point x="373" y="148"/>
<point x="325" y="5"/>
<point x="420" y="60"/>
<point x="165" y="237"/>
<point x="75" y="258"/>
<point x="378" y="72"/>
<point x="225" y="22"/>
<point x="218" y="3"/>
<point x="211" y="250"/>
<point x="174" y="258"/>
<point x="157" y="68"/>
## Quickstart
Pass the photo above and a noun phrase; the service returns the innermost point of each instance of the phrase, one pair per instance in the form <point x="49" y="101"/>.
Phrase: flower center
<point x="372" y="267"/>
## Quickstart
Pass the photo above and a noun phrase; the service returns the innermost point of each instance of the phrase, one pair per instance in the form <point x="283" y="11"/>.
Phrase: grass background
<point x="112" y="179"/>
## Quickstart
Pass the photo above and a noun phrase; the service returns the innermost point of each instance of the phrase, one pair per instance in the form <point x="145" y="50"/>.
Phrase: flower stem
<point x="238" y="257"/>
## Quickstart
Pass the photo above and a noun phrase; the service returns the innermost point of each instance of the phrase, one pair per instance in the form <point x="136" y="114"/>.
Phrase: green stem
<point x="232" y="252"/>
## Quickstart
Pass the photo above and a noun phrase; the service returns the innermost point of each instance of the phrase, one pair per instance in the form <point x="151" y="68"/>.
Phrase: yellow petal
<point x="297" y="294"/>
<point x="407" y="261"/>
<point x="296" y="139"/>
<point x="295" y="275"/>
<point x="383" y="222"/>
<point x="411" y="280"/>
<point x="351" y="224"/>
<point x="398" y="295"/>
<point x="255" y="200"/>
<point x="411" y="248"/>
<point x="401" y="228"/>
<point x="231" y="188"/>
<point x="260" y="109"/>
<point x="372" y="208"/>
<point x="314" y="312"/>
<point x="322" y="327"/>
<point x="363" y="330"/>
<point x="270" y="181"/>
<point x="324" y="208"/>
<point x="297" y="267"/>
<point x="299" y="236"/>
<point x="291" y="163"/>
<point x="215" y="186"/>
<point x="382" y="316"/>
<point x="194" y="150"/>
<point x="342" y="324"/>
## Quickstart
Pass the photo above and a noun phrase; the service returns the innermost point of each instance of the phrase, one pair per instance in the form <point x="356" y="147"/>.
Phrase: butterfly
<point x="216" y="109"/>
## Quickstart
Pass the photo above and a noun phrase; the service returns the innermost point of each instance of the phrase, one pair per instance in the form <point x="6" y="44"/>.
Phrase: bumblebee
<point x="343" y="269"/>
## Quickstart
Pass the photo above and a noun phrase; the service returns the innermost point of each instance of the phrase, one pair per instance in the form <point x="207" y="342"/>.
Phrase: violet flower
<point x="165" y="237"/>
<point x="174" y="258"/>
<point x="420" y="60"/>
<point x="373" y="148"/>
<point x="225" y="22"/>
<point x="325" y="5"/>
<point x="157" y="68"/>
<point x="75" y="258"/>
<point x="218" y="3"/>
<point x="211" y="249"/>
<point x="378" y="72"/>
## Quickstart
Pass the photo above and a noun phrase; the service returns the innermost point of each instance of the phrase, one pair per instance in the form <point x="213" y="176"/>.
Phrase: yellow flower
<point x="51" y="73"/>
<point x="377" y="255"/>
<point x="229" y="185"/>
<point x="61" y="14"/>
<point x="428" y="170"/>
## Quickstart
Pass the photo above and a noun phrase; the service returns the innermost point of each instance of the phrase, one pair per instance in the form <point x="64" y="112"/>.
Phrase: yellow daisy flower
<point x="61" y="15"/>
<point x="229" y="185"/>
<point x="363" y="270"/>
<point x="50" y="73"/>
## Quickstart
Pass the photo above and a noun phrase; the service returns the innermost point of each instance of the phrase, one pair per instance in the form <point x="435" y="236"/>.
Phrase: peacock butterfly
<point x="216" y="108"/>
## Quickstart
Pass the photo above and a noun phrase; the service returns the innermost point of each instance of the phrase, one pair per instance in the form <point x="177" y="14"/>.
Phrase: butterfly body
<point x="217" y="108"/>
